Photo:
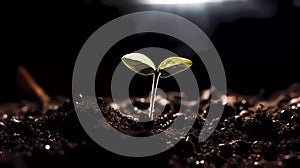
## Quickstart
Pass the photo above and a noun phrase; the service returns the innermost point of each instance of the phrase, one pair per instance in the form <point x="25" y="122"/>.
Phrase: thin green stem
<point x="156" y="76"/>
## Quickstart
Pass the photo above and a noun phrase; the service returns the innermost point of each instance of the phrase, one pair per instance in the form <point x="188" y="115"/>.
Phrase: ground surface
<point x="252" y="132"/>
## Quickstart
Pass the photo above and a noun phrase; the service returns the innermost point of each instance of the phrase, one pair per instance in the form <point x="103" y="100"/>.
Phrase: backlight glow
<point x="166" y="2"/>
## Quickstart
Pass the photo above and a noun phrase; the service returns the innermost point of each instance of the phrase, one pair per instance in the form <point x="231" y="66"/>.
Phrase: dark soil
<point x="252" y="132"/>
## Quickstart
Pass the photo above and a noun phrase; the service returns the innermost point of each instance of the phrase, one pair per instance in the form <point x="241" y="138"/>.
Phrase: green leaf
<point x="173" y="65"/>
<point x="139" y="63"/>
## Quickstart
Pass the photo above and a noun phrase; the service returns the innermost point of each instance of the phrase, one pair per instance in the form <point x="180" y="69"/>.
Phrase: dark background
<point x="258" y="44"/>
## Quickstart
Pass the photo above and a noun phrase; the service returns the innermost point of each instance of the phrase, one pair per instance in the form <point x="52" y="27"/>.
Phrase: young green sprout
<point x="143" y="65"/>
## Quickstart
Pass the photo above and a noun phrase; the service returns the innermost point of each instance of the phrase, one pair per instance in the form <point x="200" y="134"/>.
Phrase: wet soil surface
<point x="252" y="132"/>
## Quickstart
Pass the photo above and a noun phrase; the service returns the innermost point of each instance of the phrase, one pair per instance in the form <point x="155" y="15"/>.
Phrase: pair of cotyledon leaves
<point x="143" y="65"/>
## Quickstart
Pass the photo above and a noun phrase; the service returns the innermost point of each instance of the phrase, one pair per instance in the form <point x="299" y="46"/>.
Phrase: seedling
<point x="143" y="65"/>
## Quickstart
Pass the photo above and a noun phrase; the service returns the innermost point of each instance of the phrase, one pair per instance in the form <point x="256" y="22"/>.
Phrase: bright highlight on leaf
<point x="139" y="63"/>
<point x="143" y="65"/>
<point x="173" y="65"/>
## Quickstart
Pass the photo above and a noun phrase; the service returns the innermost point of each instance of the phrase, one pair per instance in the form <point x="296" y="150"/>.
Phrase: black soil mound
<point x="252" y="132"/>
